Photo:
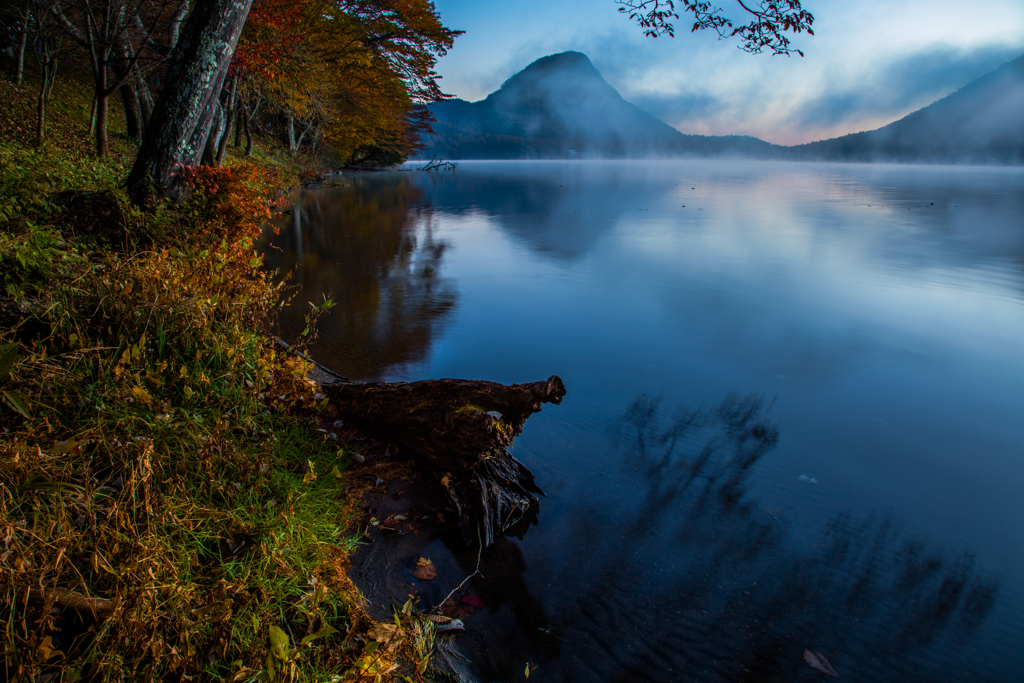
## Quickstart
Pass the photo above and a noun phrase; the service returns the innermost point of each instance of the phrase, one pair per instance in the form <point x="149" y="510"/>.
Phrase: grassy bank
<point x="167" y="509"/>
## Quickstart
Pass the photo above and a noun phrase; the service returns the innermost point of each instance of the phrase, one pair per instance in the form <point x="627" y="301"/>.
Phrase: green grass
<point x="166" y="512"/>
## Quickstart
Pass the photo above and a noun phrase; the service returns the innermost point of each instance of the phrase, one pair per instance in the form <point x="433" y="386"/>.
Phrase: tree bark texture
<point x="461" y="429"/>
<point x="102" y="102"/>
<point x="181" y="121"/>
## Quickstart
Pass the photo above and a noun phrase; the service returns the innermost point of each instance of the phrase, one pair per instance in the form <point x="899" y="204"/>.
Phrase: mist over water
<point x="792" y="420"/>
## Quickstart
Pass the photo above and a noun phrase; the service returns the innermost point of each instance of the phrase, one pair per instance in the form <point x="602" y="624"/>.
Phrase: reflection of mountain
<point x="561" y="210"/>
<point x="982" y="122"/>
<point x="560" y="107"/>
<point x="362" y="246"/>
<point x="689" y="578"/>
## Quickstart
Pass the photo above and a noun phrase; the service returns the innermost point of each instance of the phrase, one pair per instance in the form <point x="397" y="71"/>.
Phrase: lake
<point x="794" y="411"/>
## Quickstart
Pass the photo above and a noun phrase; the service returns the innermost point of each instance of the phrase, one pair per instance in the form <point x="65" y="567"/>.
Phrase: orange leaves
<point x="230" y="201"/>
<point x="425" y="569"/>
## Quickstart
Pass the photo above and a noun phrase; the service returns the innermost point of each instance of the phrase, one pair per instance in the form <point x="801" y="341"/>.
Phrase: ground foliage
<point x="166" y="511"/>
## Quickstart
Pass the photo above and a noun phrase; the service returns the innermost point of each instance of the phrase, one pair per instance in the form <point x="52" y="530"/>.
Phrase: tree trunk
<point x="216" y="133"/>
<point x="185" y="108"/>
<point x="41" y="111"/>
<point x="229" y="119"/>
<point x="19" y="66"/>
<point x="132" y="111"/>
<point x="145" y="101"/>
<point x="289" y="127"/>
<point x="248" y="133"/>
<point x="92" y="118"/>
<point x="129" y="95"/>
<point x="461" y="429"/>
<point x="174" y="27"/>
<point x="102" y="146"/>
<point x="45" y="88"/>
<point x="239" y="122"/>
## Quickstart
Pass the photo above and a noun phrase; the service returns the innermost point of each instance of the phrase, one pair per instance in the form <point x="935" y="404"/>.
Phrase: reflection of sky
<point x="869" y="63"/>
<point x="881" y="308"/>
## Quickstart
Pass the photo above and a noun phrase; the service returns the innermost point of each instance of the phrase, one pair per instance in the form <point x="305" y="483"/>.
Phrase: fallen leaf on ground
<point x="425" y="570"/>
<point x="386" y="634"/>
<point x="474" y="600"/>
<point x="817" y="661"/>
<point x="455" y="609"/>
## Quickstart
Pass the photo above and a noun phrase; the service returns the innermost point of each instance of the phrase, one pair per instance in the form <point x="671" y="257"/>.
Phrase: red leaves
<point x="462" y="607"/>
<point x="474" y="600"/>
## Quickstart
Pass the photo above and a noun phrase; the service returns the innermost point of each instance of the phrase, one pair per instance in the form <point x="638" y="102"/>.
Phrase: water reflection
<point x="368" y="246"/>
<point x="560" y="211"/>
<point x="689" y="578"/>
<point x="563" y="209"/>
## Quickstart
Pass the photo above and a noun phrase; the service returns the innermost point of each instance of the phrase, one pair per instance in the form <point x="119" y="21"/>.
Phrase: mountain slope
<point x="561" y="107"/>
<point x="982" y="122"/>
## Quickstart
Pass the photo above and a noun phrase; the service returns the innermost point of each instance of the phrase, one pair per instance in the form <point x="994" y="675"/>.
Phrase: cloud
<point x="832" y="101"/>
<point x="906" y="84"/>
<point x="869" y="63"/>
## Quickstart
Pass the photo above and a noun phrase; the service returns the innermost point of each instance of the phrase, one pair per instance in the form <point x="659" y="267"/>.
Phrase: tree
<point x="47" y="48"/>
<point x="355" y="75"/>
<point x="180" y="124"/>
<point x="769" y="20"/>
<point x="108" y="30"/>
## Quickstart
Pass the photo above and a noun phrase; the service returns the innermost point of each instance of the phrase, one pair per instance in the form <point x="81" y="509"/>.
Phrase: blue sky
<point x="870" y="61"/>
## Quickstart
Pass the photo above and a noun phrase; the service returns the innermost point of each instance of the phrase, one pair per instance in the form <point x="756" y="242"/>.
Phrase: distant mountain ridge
<point x="561" y="107"/>
<point x="982" y="122"/>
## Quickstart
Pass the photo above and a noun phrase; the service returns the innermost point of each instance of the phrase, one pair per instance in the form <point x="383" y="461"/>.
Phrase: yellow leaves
<point x="47" y="651"/>
<point x="310" y="474"/>
<point x="142" y="395"/>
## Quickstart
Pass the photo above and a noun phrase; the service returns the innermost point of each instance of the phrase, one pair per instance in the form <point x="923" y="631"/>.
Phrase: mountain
<point x="982" y="122"/>
<point x="561" y="107"/>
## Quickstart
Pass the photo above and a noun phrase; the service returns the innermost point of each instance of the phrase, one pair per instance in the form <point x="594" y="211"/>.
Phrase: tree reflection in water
<point x="367" y="246"/>
<point x="696" y="581"/>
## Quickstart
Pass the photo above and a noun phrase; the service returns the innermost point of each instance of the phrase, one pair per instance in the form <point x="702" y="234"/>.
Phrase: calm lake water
<point x="794" y="412"/>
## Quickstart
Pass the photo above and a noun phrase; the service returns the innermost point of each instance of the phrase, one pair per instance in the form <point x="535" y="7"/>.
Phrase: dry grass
<point x="167" y="513"/>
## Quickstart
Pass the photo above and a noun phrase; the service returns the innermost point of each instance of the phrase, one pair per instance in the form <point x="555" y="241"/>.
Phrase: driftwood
<point x="99" y="607"/>
<point x="461" y="429"/>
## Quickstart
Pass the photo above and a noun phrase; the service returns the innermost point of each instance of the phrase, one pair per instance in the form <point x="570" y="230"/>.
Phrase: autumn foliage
<point x="230" y="202"/>
<point x="351" y="77"/>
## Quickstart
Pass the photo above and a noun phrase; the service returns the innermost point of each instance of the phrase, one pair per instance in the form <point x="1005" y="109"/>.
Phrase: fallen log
<point x="461" y="429"/>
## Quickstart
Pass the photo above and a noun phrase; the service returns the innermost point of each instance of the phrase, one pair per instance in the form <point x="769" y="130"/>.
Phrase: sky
<point x="869" y="63"/>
